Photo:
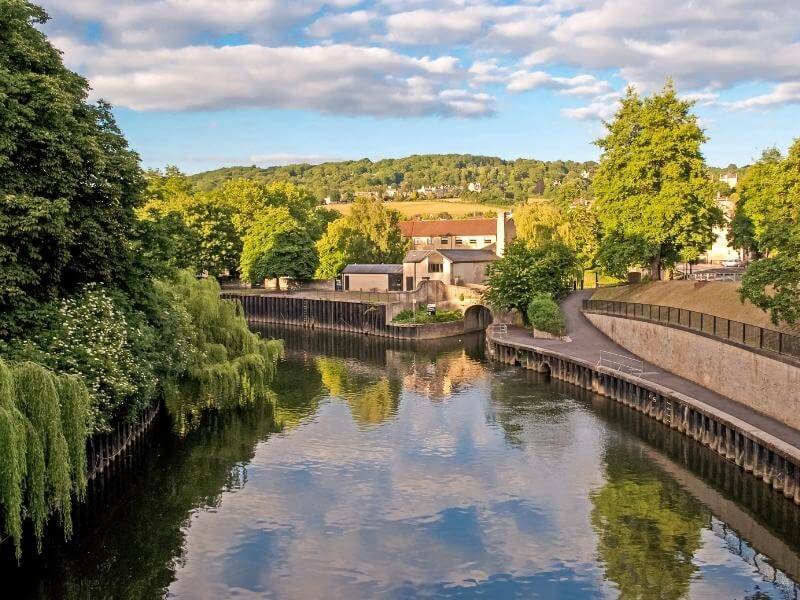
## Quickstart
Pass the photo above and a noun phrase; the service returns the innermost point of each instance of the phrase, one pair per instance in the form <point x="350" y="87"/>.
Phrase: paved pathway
<point x="588" y="341"/>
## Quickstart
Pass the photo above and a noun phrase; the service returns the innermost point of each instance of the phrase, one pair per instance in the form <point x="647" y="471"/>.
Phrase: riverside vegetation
<point x="96" y="320"/>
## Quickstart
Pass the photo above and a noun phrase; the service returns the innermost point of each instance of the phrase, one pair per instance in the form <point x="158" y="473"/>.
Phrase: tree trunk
<point x="278" y="284"/>
<point x="655" y="267"/>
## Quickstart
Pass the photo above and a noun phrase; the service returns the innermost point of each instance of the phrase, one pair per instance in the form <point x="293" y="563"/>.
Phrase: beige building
<point x="460" y="234"/>
<point x="452" y="267"/>
<point x="372" y="278"/>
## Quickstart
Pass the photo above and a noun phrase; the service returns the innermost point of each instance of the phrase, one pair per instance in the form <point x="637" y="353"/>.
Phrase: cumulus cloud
<point x="580" y="85"/>
<point x="337" y="79"/>
<point x="708" y="48"/>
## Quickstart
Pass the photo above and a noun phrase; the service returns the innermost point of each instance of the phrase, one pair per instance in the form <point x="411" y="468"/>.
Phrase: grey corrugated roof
<point x="415" y="256"/>
<point x="467" y="255"/>
<point x="374" y="269"/>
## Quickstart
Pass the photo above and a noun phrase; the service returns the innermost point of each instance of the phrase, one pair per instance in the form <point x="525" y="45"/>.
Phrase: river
<point x="387" y="470"/>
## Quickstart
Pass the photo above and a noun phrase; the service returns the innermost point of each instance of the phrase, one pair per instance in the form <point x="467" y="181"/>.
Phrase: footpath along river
<point x="388" y="470"/>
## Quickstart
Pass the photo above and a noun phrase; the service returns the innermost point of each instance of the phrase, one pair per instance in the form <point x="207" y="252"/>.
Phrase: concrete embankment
<point x="763" y="446"/>
<point x="353" y="316"/>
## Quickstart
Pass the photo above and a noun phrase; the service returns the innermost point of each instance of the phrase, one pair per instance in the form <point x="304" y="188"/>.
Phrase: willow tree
<point x="653" y="195"/>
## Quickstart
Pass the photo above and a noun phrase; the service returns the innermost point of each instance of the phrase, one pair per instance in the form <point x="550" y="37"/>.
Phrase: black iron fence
<point x="753" y="336"/>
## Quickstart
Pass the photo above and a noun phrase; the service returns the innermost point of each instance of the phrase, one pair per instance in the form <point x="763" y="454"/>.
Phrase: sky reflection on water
<point x="396" y="472"/>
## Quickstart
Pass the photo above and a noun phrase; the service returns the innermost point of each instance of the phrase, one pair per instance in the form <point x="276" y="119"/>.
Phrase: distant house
<point x="452" y="267"/>
<point x="730" y="178"/>
<point x="459" y="234"/>
<point x="372" y="278"/>
<point x="474" y="187"/>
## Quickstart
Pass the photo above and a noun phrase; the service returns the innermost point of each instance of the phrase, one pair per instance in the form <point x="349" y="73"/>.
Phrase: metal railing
<point x="714" y="276"/>
<point x="620" y="362"/>
<point x="753" y="336"/>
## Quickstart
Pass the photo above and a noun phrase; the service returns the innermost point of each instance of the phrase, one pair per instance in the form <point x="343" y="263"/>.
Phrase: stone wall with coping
<point x="770" y="386"/>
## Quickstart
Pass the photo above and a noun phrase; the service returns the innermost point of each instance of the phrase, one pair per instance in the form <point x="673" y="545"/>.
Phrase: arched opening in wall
<point x="544" y="369"/>
<point x="477" y="318"/>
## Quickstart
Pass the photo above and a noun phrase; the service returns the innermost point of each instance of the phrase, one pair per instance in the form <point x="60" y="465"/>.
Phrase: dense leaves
<point x="544" y="314"/>
<point x="524" y="272"/>
<point x="369" y="234"/>
<point x="277" y="245"/>
<point x="769" y="212"/>
<point x="502" y="182"/>
<point x="653" y="193"/>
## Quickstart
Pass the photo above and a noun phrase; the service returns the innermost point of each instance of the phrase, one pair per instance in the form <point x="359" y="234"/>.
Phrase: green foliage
<point x="33" y="253"/>
<point x="503" y="182"/>
<point x="523" y="272"/>
<point x="96" y="337"/>
<point x="769" y="201"/>
<point x="43" y="430"/>
<point x="225" y="364"/>
<point x="652" y="191"/>
<point x="56" y="148"/>
<point x="545" y="315"/>
<point x="420" y="316"/>
<point x="276" y="246"/>
<point x="369" y="234"/>
<point x="648" y="529"/>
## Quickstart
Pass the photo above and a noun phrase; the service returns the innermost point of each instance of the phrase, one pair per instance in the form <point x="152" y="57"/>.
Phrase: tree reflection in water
<point x="648" y="528"/>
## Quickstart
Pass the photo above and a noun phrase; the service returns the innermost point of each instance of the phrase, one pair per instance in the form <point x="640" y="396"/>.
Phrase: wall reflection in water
<point x="393" y="469"/>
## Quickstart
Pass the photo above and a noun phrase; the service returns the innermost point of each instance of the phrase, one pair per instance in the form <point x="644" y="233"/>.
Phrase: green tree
<point x="652" y="190"/>
<point x="770" y="200"/>
<point x="524" y="272"/>
<point x="277" y="246"/>
<point x="369" y="234"/>
<point x="57" y="148"/>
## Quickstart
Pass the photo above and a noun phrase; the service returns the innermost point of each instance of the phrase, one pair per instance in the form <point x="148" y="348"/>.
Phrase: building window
<point x="459" y="242"/>
<point x="435" y="267"/>
<point x="473" y="242"/>
<point x="417" y="240"/>
<point x="487" y="240"/>
<point x="444" y="240"/>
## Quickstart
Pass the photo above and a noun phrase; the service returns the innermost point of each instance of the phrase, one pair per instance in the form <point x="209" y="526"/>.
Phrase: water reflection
<point x="648" y="528"/>
<point x="388" y="469"/>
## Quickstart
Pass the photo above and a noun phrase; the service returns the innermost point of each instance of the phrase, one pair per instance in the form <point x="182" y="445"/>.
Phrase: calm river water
<point x="392" y="471"/>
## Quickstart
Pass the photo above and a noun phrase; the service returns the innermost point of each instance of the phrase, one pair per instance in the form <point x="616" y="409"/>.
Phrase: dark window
<point x="459" y="241"/>
<point x="435" y="267"/>
<point x="409" y="284"/>
<point x="444" y="240"/>
<point x="395" y="283"/>
<point x="347" y="282"/>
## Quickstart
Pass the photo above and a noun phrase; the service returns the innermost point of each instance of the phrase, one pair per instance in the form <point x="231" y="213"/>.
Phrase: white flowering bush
<point x="95" y="339"/>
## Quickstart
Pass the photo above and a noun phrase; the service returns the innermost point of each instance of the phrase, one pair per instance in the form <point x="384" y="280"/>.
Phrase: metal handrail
<point x="728" y="330"/>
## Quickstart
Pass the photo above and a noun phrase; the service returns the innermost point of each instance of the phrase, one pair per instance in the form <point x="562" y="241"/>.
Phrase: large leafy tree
<point x="524" y="272"/>
<point x="769" y="199"/>
<point x="69" y="182"/>
<point x="652" y="191"/>
<point x="369" y="234"/>
<point x="277" y="246"/>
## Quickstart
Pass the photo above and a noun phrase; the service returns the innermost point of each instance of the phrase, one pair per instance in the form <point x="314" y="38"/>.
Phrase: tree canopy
<point x="653" y="194"/>
<point x="524" y="272"/>
<point x="369" y="234"/>
<point x="769" y="211"/>
<point x="275" y="246"/>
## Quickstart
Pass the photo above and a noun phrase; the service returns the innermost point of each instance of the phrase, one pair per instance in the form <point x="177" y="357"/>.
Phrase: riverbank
<point x="768" y="449"/>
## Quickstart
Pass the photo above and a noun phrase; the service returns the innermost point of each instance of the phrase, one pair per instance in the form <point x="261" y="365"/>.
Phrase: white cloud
<point x="337" y="79"/>
<point x="708" y="47"/>
<point x="580" y="85"/>
<point x="784" y="93"/>
<point x="353" y="23"/>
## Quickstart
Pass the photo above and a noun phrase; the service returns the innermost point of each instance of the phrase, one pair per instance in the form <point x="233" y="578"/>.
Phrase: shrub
<point x="420" y="316"/>
<point x="545" y="315"/>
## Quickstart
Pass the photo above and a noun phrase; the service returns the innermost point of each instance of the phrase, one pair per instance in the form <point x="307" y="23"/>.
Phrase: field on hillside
<point x="456" y="208"/>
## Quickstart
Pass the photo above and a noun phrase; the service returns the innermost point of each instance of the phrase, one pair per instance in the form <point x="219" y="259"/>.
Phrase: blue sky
<point x="210" y="83"/>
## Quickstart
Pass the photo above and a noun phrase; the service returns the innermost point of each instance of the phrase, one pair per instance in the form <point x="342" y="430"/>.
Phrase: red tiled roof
<point x="448" y="227"/>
